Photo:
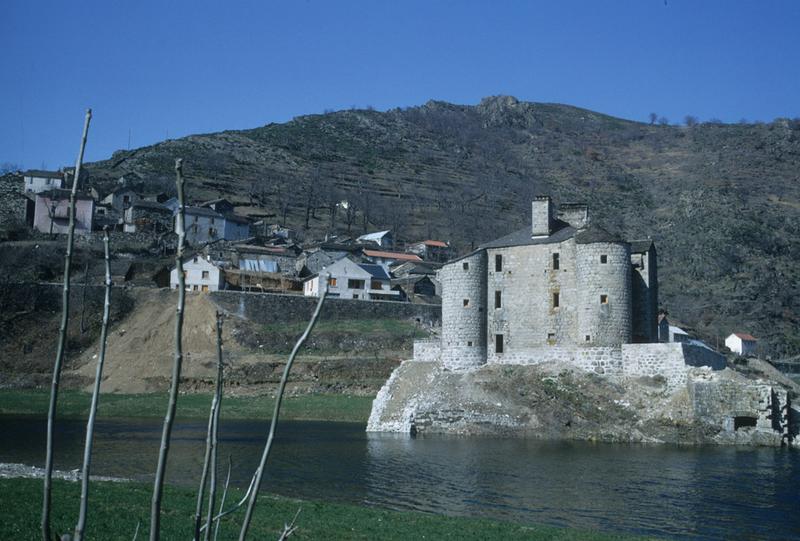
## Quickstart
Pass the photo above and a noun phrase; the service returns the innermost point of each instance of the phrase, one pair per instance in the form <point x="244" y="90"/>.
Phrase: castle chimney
<point x="541" y="216"/>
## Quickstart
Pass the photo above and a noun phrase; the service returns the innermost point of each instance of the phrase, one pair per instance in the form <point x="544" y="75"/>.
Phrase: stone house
<point x="144" y="215"/>
<point x="37" y="181"/>
<point x="742" y="343"/>
<point x="431" y="250"/>
<point x="350" y="280"/>
<point x="51" y="212"/>
<point x="200" y="274"/>
<point x="120" y="199"/>
<point x="204" y="225"/>
<point x="562" y="282"/>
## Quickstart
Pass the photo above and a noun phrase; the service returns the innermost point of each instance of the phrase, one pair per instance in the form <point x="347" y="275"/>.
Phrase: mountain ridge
<point x="721" y="201"/>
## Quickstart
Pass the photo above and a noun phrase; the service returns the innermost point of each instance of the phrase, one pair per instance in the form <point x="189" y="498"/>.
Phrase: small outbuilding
<point x="742" y="343"/>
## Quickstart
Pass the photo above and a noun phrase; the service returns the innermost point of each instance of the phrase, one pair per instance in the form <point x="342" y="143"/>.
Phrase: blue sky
<point x="152" y="69"/>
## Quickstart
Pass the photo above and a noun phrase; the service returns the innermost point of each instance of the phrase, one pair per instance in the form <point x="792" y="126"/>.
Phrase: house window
<point x="603" y="299"/>
<point x="332" y="282"/>
<point x="47" y="181"/>
<point x="355" y="284"/>
<point x="498" y="299"/>
<point x="466" y="302"/>
<point x="555" y="299"/>
<point x="555" y="262"/>
<point x="194" y="260"/>
<point x="498" y="263"/>
<point x="604" y="259"/>
<point x="126" y="199"/>
<point x="205" y="288"/>
<point x="376" y="284"/>
<point x="355" y="295"/>
<point x="465" y="266"/>
<point x="498" y="343"/>
<point x="205" y="275"/>
<point x="194" y="288"/>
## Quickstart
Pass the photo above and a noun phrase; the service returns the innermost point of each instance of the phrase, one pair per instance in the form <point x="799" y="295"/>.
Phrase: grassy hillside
<point x="722" y="201"/>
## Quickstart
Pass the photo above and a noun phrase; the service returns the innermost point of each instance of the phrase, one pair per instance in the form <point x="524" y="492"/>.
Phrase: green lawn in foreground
<point x="320" y="407"/>
<point x="115" y="509"/>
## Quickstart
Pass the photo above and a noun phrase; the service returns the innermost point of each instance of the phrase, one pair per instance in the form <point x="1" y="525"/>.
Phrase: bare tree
<point x="158" y="487"/>
<point x="87" y="449"/>
<point x="691" y="121"/>
<point x="62" y="339"/>
<point x="653" y="117"/>
<point x="663" y="121"/>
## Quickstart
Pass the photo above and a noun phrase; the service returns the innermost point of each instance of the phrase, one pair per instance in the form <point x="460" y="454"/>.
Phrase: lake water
<point x="678" y="492"/>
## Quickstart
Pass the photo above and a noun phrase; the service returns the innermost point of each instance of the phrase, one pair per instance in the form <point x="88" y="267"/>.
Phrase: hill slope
<point x="722" y="202"/>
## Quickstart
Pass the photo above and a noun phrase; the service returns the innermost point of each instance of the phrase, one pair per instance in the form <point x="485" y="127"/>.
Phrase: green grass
<point x="391" y="327"/>
<point x="115" y="509"/>
<point x="71" y="404"/>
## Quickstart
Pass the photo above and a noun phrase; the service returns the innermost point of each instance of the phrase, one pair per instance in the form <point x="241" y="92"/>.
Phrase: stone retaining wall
<point x="266" y="308"/>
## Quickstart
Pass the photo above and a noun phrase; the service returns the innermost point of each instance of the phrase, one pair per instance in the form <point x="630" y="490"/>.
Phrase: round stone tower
<point x="603" y="280"/>
<point x="464" y="312"/>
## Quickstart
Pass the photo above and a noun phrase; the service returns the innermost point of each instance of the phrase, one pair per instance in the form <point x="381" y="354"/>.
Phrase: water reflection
<point x="682" y="492"/>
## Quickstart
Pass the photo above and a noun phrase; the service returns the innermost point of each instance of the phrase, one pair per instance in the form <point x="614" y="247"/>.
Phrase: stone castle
<point x="564" y="290"/>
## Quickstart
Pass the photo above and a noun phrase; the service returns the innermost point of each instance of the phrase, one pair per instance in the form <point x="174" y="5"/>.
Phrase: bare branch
<point x="288" y="529"/>
<point x="277" y="410"/>
<point x="62" y="339"/>
<point x="87" y="450"/>
<point x="224" y="495"/>
<point x="136" y="533"/>
<point x="166" y="435"/>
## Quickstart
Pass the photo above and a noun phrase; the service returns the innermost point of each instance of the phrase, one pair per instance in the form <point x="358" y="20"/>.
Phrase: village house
<point x="144" y="215"/>
<point x="200" y="274"/>
<point x="431" y="250"/>
<point x="222" y="205"/>
<point x="120" y="199"/>
<point x="383" y="239"/>
<point x="36" y="181"/>
<point x="51" y="212"/>
<point x="350" y="280"/>
<point x="742" y="343"/>
<point x="204" y="225"/>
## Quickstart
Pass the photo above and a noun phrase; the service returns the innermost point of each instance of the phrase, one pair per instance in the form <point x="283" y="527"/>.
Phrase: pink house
<point x="51" y="214"/>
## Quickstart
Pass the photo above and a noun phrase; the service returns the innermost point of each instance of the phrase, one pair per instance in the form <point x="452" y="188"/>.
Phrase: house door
<point x="205" y="288"/>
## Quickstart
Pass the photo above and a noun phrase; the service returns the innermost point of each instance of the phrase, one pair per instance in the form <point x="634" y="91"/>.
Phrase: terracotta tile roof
<point x="745" y="336"/>
<point x="437" y="243"/>
<point x="392" y="255"/>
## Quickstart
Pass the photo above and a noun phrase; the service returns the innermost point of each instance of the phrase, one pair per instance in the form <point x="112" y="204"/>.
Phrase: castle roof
<point x="563" y="231"/>
<point x="594" y="234"/>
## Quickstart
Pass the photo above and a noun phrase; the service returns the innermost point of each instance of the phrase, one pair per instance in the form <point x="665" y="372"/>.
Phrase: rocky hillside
<point x="722" y="201"/>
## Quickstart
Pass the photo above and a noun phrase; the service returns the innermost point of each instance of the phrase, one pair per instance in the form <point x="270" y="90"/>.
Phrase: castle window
<point x="469" y="343"/>
<point x="551" y="338"/>
<point x="603" y="299"/>
<point x="498" y="343"/>
<point x="465" y="266"/>
<point x="555" y="299"/>
<point x="588" y="338"/>
<point x="498" y="263"/>
<point x="498" y="299"/>
<point x="466" y="302"/>
<point x="556" y="262"/>
<point x="604" y="258"/>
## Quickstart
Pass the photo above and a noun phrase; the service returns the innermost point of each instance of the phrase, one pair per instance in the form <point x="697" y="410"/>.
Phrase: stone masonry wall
<point x="604" y="323"/>
<point x="464" y="312"/>
<point x="666" y="360"/>
<point x="268" y="308"/>
<point x="606" y="360"/>
<point x="526" y="284"/>
<point x="12" y="200"/>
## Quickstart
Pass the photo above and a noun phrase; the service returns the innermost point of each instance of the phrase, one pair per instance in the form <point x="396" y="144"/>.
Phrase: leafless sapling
<point x="87" y="449"/>
<point x="277" y="410"/>
<point x="62" y="339"/>
<point x="166" y="434"/>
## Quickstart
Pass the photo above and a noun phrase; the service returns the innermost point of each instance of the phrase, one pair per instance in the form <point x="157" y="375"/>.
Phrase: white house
<point x="41" y="181"/>
<point x="200" y="275"/>
<point x="350" y="280"/>
<point x="741" y="343"/>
